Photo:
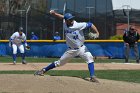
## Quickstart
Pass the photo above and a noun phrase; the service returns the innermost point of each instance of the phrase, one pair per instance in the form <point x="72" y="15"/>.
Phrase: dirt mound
<point x="70" y="66"/>
<point x="13" y="83"/>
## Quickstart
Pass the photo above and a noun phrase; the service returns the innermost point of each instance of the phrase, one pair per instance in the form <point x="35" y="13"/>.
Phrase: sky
<point x="117" y="4"/>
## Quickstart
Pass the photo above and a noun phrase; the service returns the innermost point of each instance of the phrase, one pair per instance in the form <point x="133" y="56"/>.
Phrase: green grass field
<point x="49" y="60"/>
<point x="120" y="75"/>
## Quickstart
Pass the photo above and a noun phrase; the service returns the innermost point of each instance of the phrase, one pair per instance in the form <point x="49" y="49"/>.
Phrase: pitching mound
<point x="13" y="83"/>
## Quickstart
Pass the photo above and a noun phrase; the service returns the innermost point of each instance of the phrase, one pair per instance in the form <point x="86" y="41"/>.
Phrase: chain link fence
<point x="33" y="16"/>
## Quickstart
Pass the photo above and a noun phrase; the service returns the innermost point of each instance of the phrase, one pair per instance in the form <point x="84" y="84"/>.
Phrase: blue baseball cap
<point x="68" y="16"/>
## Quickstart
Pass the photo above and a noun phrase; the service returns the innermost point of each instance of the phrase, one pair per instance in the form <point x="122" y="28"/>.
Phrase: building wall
<point x="99" y="13"/>
<point x="122" y="26"/>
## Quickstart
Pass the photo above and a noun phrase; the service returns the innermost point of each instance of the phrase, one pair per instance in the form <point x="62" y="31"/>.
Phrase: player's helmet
<point x="21" y="29"/>
<point x="68" y="16"/>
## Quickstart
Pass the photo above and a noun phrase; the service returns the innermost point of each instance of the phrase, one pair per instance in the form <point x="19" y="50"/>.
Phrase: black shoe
<point x="14" y="62"/>
<point x="137" y="61"/>
<point x="24" y="62"/>
<point x="126" y="60"/>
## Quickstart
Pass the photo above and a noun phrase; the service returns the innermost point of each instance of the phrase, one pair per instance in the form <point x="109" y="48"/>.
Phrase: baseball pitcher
<point x="16" y="42"/>
<point x="75" y="42"/>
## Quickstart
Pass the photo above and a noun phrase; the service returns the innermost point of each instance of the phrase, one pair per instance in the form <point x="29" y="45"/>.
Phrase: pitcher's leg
<point x="87" y="56"/>
<point x="63" y="60"/>
<point x="89" y="59"/>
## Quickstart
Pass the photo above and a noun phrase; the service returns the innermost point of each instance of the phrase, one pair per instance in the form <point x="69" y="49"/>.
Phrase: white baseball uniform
<point x="16" y="40"/>
<point x="75" y="41"/>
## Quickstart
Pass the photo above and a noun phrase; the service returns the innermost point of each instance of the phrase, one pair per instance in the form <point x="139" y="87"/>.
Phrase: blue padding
<point x="56" y="49"/>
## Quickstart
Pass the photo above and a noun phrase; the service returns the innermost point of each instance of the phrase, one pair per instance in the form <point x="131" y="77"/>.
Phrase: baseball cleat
<point x="94" y="79"/>
<point x="39" y="73"/>
<point x="137" y="61"/>
<point x="24" y="62"/>
<point x="14" y="63"/>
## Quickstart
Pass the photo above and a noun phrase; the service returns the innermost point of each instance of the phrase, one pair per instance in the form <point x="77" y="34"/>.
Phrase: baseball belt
<point x="75" y="48"/>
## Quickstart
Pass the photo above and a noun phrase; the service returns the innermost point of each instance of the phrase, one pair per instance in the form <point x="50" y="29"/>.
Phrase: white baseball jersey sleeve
<point x="17" y="39"/>
<point x="74" y="34"/>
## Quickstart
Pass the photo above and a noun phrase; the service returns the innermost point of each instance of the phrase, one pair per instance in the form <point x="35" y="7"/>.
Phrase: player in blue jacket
<point x="34" y="37"/>
<point x="56" y="36"/>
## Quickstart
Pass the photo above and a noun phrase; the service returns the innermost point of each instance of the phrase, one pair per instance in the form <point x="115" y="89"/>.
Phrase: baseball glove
<point x="93" y="35"/>
<point x="27" y="47"/>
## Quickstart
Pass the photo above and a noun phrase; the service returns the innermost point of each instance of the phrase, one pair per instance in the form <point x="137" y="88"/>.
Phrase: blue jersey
<point x="34" y="37"/>
<point x="56" y="37"/>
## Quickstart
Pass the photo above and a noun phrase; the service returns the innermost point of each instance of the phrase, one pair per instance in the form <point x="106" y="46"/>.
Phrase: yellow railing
<point x="65" y="41"/>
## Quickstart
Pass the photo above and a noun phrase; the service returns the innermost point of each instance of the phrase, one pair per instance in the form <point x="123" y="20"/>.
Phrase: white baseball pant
<point x="83" y="52"/>
<point x="20" y="46"/>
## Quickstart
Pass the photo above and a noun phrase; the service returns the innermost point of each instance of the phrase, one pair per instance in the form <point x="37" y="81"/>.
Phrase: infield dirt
<point x="12" y="83"/>
<point x="26" y="83"/>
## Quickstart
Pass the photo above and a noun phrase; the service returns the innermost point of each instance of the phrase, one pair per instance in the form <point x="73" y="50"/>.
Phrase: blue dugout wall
<point x="49" y="48"/>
